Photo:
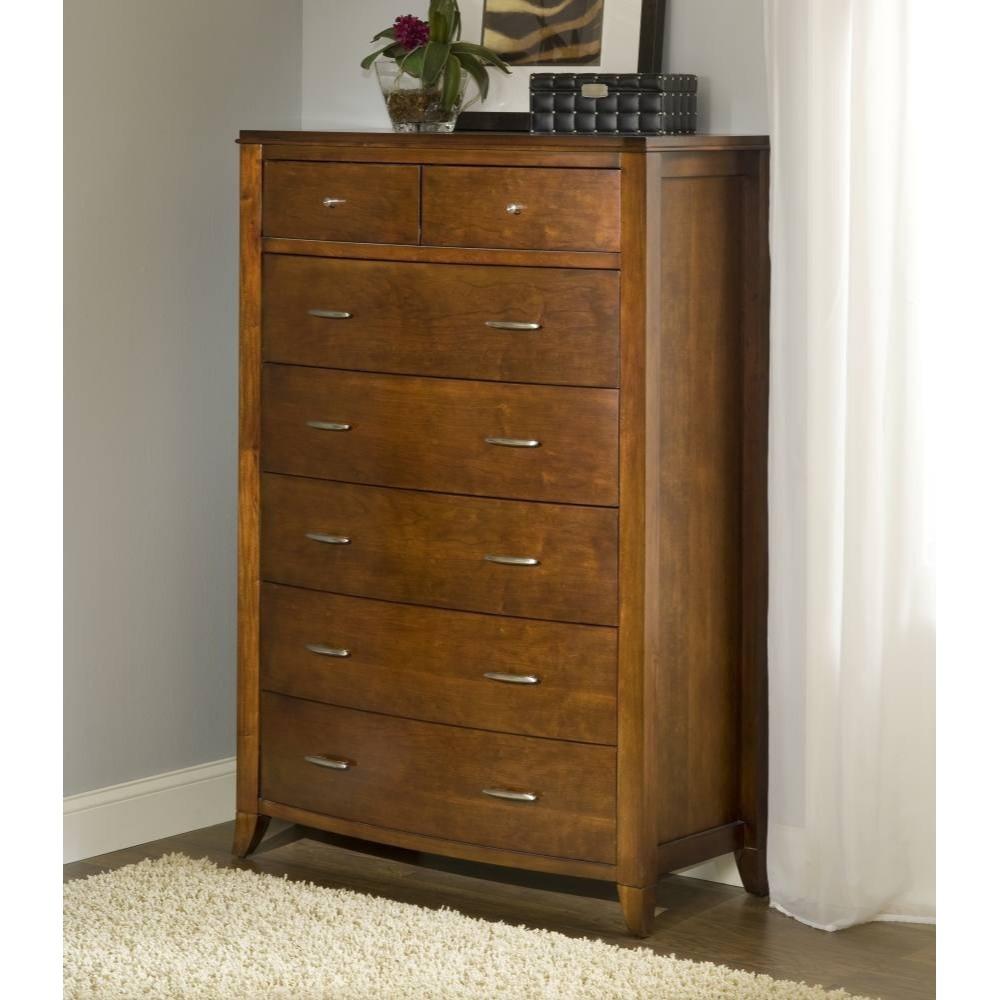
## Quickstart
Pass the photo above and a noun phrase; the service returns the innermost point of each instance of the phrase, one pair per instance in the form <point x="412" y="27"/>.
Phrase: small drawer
<point x="505" y="557"/>
<point x="538" y="208"/>
<point x="527" y="442"/>
<point x="510" y="792"/>
<point x="511" y="324"/>
<point x="346" y="202"/>
<point x="511" y="675"/>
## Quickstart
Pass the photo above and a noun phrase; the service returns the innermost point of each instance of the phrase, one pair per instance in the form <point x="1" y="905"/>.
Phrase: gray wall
<point x="155" y="92"/>
<point x="722" y="41"/>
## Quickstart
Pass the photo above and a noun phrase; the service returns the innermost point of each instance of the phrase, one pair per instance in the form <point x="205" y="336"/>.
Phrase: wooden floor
<point x="703" y="921"/>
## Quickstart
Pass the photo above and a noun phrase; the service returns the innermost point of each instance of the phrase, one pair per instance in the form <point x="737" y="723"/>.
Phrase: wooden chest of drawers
<point x="502" y="550"/>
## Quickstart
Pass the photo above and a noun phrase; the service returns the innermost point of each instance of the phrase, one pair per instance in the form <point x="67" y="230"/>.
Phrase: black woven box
<point x="614" y="103"/>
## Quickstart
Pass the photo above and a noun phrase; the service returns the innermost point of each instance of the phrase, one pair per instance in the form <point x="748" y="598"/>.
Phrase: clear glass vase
<point x="414" y="107"/>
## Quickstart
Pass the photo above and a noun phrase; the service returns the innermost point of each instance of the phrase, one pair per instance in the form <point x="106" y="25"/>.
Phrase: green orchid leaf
<point x="372" y="56"/>
<point x="434" y="61"/>
<point x="452" y="83"/>
<point x="413" y="62"/>
<point x="484" y="54"/>
<point x="385" y="33"/>
<point x="477" y="71"/>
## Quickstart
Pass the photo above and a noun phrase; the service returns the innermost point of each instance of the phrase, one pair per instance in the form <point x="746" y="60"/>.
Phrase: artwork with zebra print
<point x="544" y="32"/>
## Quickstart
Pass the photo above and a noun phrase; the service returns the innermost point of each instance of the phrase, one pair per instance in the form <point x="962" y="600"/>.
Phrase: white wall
<point x="155" y="93"/>
<point x="722" y="41"/>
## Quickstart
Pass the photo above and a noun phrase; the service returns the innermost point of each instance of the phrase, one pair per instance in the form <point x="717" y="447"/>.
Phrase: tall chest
<point x="502" y="550"/>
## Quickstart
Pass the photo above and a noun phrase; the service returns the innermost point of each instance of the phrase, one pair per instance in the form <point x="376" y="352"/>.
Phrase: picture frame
<point x="632" y="41"/>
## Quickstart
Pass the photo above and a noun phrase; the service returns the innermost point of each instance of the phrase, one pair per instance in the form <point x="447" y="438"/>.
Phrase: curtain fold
<point x="852" y="631"/>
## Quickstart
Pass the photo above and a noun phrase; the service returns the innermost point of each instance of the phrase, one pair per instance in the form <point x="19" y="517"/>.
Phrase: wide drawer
<point x="540" y="208"/>
<point x="431" y="779"/>
<point x="529" y="442"/>
<point x="439" y="550"/>
<point x="482" y="671"/>
<point x="349" y="202"/>
<point x="512" y="324"/>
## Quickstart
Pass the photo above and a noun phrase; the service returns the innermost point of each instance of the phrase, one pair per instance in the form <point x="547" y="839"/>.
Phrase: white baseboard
<point x="136" y="812"/>
<point x="165" y="805"/>
<point x="717" y="870"/>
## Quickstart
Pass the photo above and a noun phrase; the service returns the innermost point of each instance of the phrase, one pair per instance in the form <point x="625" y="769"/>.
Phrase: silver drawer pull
<point x="333" y="202"/>
<point x="318" y="536"/>
<point x="505" y="324"/>
<point x="331" y="762"/>
<point x="514" y="208"/>
<point x="327" y="425"/>
<point x="494" y="675"/>
<point x="330" y="313"/>
<point x="503" y="793"/>
<point x="321" y="650"/>
<point x="514" y="442"/>
<point x="512" y="560"/>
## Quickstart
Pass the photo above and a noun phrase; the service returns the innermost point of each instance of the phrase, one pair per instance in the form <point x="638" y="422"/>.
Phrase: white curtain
<point x="852" y="589"/>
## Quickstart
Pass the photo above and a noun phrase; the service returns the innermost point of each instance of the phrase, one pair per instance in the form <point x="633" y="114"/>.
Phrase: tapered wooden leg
<point x="752" y="865"/>
<point x="638" y="905"/>
<point x="248" y="833"/>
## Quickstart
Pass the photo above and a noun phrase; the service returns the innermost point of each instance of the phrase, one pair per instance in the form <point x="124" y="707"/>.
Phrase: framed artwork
<point x="557" y="36"/>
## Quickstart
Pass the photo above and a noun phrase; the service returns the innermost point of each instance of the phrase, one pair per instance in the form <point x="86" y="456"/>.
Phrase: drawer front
<point x="430" y="779"/>
<point x="435" y="319"/>
<point x="548" y="678"/>
<point x="348" y="202"/>
<point x="537" y="208"/>
<point x="529" y="442"/>
<point x="427" y="548"/>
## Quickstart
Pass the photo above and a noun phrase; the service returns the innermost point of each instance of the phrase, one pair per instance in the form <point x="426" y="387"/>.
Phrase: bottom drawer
<point x="428" y="778"/>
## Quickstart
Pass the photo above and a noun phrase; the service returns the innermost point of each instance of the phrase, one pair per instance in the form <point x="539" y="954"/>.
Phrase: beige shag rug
<point x="178" y="928"/>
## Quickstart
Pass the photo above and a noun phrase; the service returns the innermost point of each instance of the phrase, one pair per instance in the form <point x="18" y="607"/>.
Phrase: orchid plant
<point x="432" y="52"/>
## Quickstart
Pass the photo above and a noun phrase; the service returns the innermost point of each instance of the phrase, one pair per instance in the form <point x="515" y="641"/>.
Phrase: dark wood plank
<point x="587" y="259"/>
<point x="374" y="204"/>
<point x="700" y="489"/>
<point x="540" y="208"/>
<point x="436" y="780"/>
<point x="754" y="543"/>
<point x="637" y="778"/>
<point x="578" y="145"/>
<point x="428" y="548"/>
<point x="699" y="921"/>
<point x="432" y="319"/>
<point x="526" y="442"/>
<point x="248" y="538"/>
<point x="427" y="663"/>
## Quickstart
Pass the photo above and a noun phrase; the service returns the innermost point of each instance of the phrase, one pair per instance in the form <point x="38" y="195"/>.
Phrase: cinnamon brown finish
<point x="513" y="675"/>
<point x="485" y="439"/>
<point x="525" y="324"/>
<point x="504" y="557"/>
<point x="529" y="209"/>
<point x="503" y="534"/>
<point x="342" y="201"/>
<point x="515" y="792"/>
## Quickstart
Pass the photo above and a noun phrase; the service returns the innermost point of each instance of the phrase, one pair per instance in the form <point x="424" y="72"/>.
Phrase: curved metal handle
<point x="333" y="202"/>
<point x="505" y="324"/>
<point x="512" y="560"/>
<point x="327" y="425"/>
<point x="504" y="793"/>
<point x="330" y="313"/>
<point x="334" y="763"/>
<point x="321" y="650"/>
<point x="494" y="675"/>
<point x="514" y="208"/>
<point x="318" y="536"/>
<point x="514" y="442"/>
